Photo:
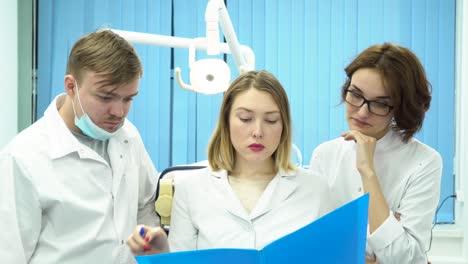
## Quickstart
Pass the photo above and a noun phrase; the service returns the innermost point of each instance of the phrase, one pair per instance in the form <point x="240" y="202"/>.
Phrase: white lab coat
<point x="409" y="175"/>
<point x="60" y="202"/>
<point x="206" y="212"/>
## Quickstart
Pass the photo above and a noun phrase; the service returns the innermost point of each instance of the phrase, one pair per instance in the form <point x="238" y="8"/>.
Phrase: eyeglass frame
<point x="368" y="102"/>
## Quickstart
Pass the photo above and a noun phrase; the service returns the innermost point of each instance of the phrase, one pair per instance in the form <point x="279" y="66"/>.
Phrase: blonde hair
<point x="107" y="54"/>
<point x="221" y="153"/>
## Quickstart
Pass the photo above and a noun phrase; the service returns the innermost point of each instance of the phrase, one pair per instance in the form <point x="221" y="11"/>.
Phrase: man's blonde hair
<point x="221" y="153"/>
<point x="107" y="54"/>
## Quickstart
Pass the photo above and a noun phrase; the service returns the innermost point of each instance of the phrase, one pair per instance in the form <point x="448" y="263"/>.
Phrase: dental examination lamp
<point x="209" y="75"/>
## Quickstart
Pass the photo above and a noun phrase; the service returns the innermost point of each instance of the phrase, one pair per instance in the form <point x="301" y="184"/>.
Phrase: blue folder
<point x="337" y="237"/>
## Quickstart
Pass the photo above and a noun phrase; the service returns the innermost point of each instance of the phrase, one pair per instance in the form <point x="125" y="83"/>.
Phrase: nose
<point x="118" y="109"/>
<point x="364" y="110"/>
<point x="258" y="130"/>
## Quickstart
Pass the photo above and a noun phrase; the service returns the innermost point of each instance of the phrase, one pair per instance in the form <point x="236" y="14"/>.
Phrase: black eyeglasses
<point x="357" y="100"/>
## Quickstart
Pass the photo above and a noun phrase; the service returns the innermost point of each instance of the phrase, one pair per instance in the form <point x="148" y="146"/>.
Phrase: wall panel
<point x="305" y="43"/>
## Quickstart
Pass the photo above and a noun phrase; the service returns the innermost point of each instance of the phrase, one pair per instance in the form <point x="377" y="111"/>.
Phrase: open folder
<point x="337" y="237"/>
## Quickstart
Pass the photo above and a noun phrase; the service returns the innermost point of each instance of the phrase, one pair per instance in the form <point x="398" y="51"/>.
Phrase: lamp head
<point x="209" y="76"/>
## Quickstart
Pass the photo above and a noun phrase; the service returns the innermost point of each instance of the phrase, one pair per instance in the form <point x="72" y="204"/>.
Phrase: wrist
<point x="367" y="172"/>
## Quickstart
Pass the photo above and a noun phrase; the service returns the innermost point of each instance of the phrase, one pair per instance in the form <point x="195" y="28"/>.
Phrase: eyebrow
<point x="250" y="111"/>
<point x="378" y="97"/>
<point x="111" y="93"/>
<point x="108" y="89"/>
<point x="132" y="95"/>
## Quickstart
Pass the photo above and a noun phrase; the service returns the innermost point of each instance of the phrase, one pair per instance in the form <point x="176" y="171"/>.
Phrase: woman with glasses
<point x="386" y="95"/>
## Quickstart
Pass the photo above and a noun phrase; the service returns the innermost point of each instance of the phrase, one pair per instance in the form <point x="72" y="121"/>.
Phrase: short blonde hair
<point x="107" y="54"/>
<point x="221" y="153"/>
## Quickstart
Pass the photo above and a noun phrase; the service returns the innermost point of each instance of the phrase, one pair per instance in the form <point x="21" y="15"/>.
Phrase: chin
<point x="351" y="126"/>
<point x="360" y="129"/>
<point x="110" y="130"/>
<point x="256" y="158"/>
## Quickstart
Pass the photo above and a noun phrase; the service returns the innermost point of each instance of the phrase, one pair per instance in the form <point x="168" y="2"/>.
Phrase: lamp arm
<point x="212" y="30"/>
<point x="231" y="38"/>
<point x="249" y="57"/>
<point x="176" y="42"/>
<point x="216" y="11"/>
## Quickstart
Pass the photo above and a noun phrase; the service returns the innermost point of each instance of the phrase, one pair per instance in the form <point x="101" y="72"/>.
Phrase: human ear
<point x="69" y="84"/>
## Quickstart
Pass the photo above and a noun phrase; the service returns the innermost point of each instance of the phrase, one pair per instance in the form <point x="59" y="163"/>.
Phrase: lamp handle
<point x="181" y="83"/>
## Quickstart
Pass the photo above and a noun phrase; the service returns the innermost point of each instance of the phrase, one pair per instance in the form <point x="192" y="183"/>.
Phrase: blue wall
<point x="305" y="43"/>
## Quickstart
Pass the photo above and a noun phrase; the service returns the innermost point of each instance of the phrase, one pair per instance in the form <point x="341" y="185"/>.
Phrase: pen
<point x="146" y="247"/>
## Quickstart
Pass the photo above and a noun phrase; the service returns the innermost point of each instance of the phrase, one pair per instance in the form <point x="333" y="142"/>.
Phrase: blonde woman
<point x="250" y="194"/>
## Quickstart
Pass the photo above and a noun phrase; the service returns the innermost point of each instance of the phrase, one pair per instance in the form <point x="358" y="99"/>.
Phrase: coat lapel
<point x="118" y="159"/>
<point x="228" y="198"/>
<point x="277" y="191"/>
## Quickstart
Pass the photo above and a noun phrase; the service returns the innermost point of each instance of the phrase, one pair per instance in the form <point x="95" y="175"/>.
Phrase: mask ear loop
<point x="79" y="101"/>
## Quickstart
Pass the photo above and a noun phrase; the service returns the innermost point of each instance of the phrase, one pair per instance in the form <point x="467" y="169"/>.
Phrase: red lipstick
<point x="256" y="147"/>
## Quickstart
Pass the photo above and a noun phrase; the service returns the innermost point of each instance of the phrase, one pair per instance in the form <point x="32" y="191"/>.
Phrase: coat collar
<point x="223" y="173"/>
<point x="277" y="191"/>
<point x="391" y="140"/>
<point x="62" y="141"/>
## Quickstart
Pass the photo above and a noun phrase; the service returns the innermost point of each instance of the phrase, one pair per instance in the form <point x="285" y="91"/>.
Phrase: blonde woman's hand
<point x="148" y="241"/>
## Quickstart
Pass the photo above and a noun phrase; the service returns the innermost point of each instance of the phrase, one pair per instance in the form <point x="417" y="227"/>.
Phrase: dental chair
<point x="165" y="190"/>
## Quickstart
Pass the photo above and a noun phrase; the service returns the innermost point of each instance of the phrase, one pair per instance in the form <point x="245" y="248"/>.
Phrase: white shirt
<point x="409" y="175"/>
<point x="60" y="202"/>
<point x="207" y="213"/>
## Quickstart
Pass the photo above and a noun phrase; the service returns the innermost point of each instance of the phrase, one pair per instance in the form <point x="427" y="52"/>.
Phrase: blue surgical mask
<point x="87" y="126"/>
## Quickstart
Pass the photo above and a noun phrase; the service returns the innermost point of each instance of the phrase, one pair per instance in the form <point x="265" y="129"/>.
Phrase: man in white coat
<point x="75" y="184"/>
